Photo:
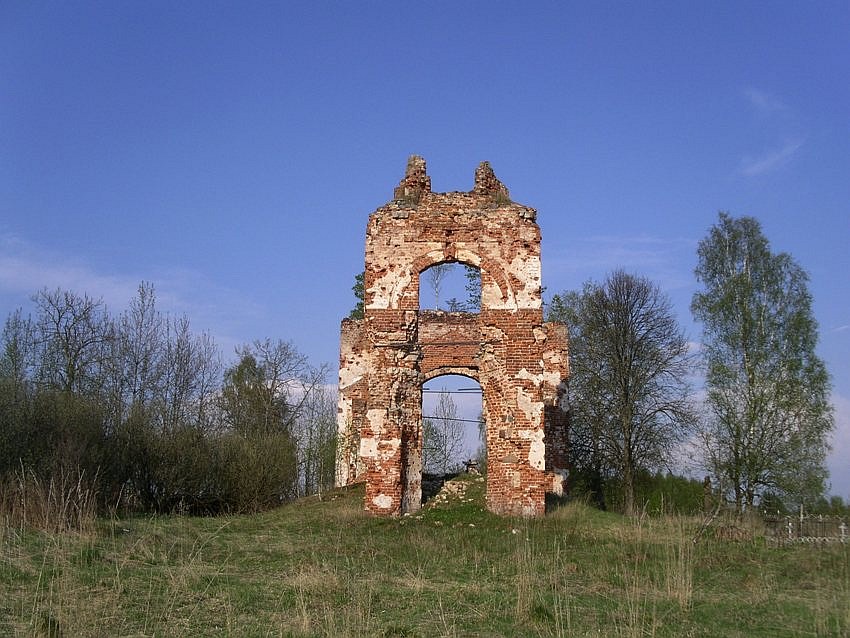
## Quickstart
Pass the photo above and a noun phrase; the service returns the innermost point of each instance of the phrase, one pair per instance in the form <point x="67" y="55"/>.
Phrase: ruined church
<point x="519" y="361"/>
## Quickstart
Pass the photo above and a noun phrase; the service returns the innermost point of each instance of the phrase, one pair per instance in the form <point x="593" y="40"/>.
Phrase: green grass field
<point x="322" y="567"/>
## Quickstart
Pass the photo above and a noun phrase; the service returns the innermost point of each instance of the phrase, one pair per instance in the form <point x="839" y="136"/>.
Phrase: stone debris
<point x="453" y="490"/>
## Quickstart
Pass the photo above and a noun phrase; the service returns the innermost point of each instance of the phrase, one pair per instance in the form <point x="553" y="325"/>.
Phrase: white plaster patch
<point x="344" y="420"/>
<point x="537" y="448"/>
<point x="529" y="407"/>
<point x="492" y="297"/>
<point x="525" y="374"/>
<point x="387" y="290"/>
<point x="537" y="451"/>
<point x="375" y="417"/>
<point x="552" y="379"/>
<point x="347" y="379"/>
<point x="341" y="474"/>
<point x="527" y="270"/>
<point x="559" y="479"/>
<point x="368" y="448"/>
<point x="383" y="501"/>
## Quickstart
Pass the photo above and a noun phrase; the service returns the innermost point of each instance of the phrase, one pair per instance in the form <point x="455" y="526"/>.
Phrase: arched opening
<point x="450" y="286"/>
<point x="453" y="431"/>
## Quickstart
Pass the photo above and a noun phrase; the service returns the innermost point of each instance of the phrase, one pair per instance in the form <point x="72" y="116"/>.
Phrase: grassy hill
<point x="321" y="567"/>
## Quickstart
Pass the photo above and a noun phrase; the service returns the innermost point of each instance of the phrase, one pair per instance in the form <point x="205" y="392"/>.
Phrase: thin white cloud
<point x="659" y="258"/>
<point x="772" y="112"/>
<point x="26" y="268"/>
<point x="770" y="161"/>
<point x="843" y="328"/>
<point x="764" y="102"/>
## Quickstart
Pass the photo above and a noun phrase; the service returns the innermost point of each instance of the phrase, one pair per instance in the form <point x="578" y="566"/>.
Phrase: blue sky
<point x="230" y="153"/>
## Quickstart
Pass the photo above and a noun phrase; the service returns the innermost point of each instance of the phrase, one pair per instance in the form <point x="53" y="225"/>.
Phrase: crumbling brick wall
<point x="519" y="361"/>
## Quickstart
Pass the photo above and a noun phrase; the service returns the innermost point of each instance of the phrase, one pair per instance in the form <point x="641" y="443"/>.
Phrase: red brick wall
<point x="520" y="362"/>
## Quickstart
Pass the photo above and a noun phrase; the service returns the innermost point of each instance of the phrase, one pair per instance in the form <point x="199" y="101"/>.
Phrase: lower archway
<point x="453" y="432"/>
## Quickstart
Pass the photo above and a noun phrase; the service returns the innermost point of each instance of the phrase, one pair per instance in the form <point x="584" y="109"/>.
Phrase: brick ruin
<point x="519" y="361"/>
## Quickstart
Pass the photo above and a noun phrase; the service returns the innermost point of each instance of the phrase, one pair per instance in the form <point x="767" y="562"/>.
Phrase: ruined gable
<point x="519" y="361"/>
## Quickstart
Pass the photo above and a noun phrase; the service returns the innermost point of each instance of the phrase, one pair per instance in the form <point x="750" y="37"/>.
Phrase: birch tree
<point x="436" y="274"/>
<point x="767" y="391"/>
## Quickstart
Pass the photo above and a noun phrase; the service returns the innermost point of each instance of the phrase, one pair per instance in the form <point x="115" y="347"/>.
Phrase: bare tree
<point x="191" y="375"/>
<point x="442" y="437"/>
<point x="136" y="365"/>
<point x="16" y="354"/>
<point x="72" y="334"/>
<point x="628" y="388"/>
<point x="315" y="434"/>
<point x="481" y="453"/>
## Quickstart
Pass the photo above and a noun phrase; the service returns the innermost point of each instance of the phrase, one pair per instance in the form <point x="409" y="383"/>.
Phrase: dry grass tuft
<point x="65" y="503"/>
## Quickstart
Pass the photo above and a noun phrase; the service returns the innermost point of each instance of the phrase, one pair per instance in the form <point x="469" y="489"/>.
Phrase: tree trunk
<point x="628" y="486"/>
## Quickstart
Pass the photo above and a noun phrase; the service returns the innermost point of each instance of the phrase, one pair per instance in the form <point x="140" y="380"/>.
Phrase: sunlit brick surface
<point x="520" y="362"/>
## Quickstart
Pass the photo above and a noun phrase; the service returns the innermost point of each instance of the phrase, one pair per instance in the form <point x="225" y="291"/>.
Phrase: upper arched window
<point x="450" y="286"/>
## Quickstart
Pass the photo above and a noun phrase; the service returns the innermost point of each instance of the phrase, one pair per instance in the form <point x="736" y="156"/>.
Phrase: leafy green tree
<point x="360" y="295"/>
<point x="473" y="288"/>
<point x="270" y="387"/>
<point x="271" y="405"/>
<point x="628" y="387"/>
<point x="249" y="402"/>
<point x="769" y="412"/>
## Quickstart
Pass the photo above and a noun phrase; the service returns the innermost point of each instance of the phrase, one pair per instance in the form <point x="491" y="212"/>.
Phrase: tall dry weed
<point x="526" y="574"/>
<point x="65" y="502"/>
<point x="679" y="565"/>
<point x="637" y="617"/>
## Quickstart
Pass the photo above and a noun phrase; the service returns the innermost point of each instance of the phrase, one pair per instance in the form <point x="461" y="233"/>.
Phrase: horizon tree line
<point x="144" y="411"/>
